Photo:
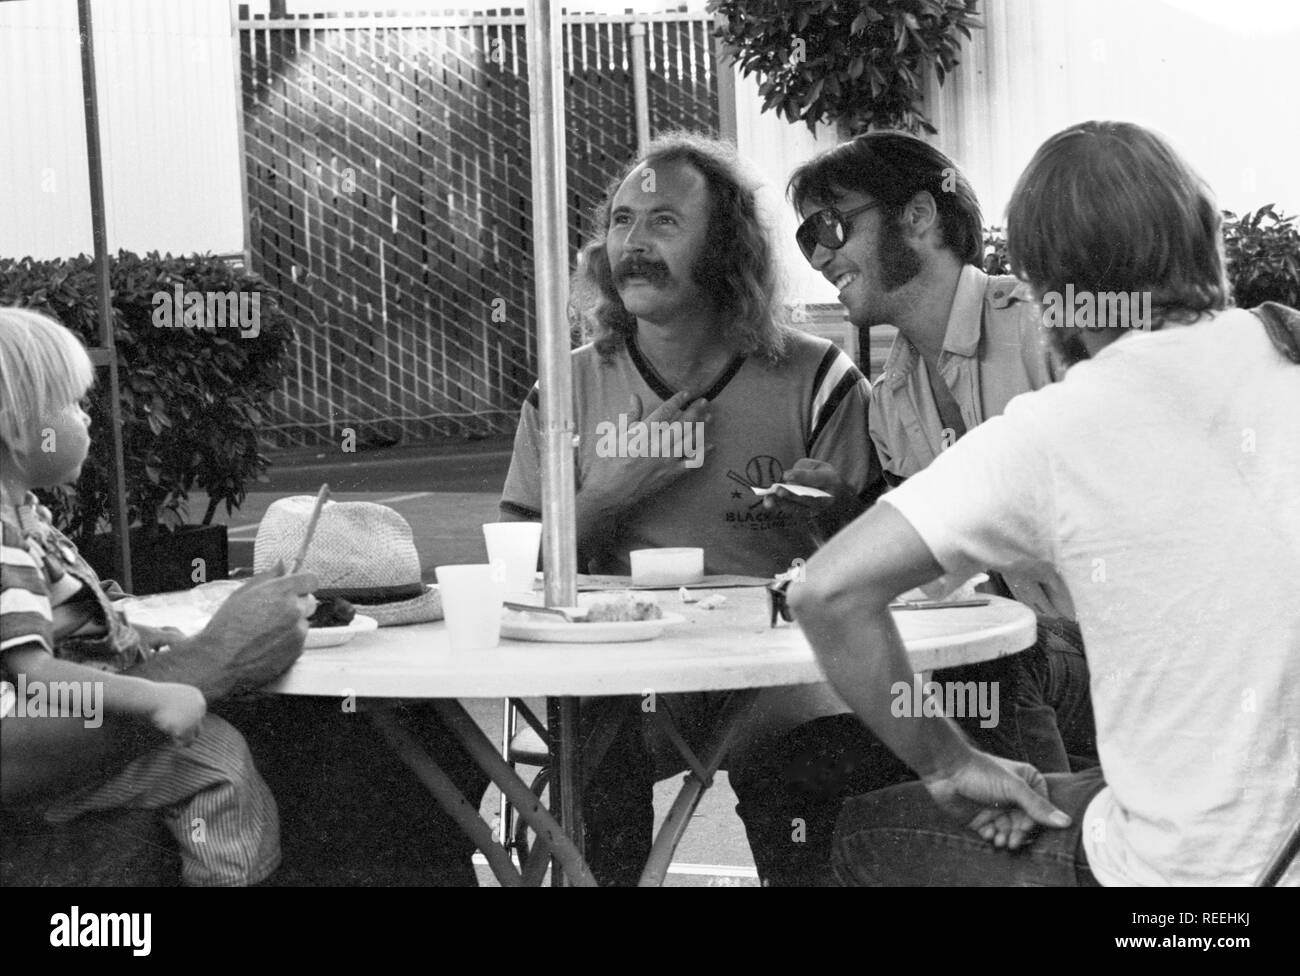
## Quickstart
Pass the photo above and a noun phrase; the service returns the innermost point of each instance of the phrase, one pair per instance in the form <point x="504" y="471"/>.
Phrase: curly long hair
<point x="736" y="268"/>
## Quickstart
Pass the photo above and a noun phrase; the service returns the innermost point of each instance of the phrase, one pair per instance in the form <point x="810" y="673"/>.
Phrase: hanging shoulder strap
<point x="1283" y="326"/>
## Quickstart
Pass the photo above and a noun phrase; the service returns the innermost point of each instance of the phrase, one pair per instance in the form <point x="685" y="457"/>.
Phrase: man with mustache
<point x="677" y="292"/>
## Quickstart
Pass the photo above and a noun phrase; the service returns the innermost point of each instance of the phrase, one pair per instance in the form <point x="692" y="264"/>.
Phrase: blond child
<point x="57" y="626"/>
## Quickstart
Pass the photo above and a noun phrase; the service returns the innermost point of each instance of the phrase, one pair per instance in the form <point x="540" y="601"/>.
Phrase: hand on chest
<point x="719" y="461"/>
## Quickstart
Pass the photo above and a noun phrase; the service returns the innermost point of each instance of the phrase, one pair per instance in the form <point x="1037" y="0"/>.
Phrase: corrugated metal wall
<point x="389" y="191"/>
<point x="170" y="128"/>
<point x="1217" y="79"/>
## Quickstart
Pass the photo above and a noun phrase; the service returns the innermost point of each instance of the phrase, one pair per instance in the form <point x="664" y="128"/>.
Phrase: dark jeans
<point x="789" y="803"/>
<point x="618" y="796"/>
<point x="789" y="800"/>
<point x="899" y="837"/>
<point x="351" y="813"/>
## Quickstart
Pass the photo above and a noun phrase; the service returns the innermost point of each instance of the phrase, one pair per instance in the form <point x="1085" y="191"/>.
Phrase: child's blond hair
<point x="43" y="368"/>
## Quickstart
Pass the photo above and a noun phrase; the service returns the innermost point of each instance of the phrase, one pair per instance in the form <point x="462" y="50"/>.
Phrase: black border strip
<point x="523" y="511"/>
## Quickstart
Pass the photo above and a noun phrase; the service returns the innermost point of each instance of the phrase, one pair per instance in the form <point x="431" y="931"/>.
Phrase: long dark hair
<point x="893" y="167"/>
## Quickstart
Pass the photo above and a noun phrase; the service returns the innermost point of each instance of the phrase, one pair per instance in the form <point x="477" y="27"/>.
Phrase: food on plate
<point x="623" y="607"/>
<point x="332" y="611"/>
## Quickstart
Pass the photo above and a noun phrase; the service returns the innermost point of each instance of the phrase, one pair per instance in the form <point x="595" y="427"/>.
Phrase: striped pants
<point x="212" y="798"/>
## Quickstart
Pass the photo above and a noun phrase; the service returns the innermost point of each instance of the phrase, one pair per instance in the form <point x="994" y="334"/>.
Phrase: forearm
<point x="864" y="659"/>
<point x="191" y="661"/>
<point x="118" y="694"/>
<point x="47" y="754"/>
<point x="843" y="609"/>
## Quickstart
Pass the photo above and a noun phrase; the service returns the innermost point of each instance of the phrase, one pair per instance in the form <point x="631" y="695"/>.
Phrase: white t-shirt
<point x="1161" y="479"/>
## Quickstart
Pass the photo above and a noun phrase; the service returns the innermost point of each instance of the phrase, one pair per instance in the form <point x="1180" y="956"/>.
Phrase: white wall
<point x="1219" y="80"/>
<point x="776" y="148"/>
<point x="168" y="106"/>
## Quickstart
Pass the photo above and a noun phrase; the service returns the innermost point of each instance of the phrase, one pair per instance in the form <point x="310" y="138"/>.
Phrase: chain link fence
<point x="390" y="204"/>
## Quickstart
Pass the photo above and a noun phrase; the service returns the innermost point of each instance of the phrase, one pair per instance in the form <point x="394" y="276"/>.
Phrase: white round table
<point x="732" y="647"/>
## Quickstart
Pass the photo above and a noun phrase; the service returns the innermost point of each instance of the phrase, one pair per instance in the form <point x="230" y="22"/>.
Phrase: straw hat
<point x="361" y="552"/>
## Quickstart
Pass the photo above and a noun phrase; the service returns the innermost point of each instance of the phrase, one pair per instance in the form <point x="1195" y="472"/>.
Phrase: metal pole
<point x="118" y="516"/>
<point x="725" y="66"/>
<point x="237" y="50"/>
<point x="551" y="267"/>
<point x="637" y="33"/>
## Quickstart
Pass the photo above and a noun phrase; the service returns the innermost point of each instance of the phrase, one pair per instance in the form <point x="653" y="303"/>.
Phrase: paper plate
<point x="187" y="610"/>
<point x="805" y="490"/>
<point x="538" y="627"/>
<point x="334" y="636"/>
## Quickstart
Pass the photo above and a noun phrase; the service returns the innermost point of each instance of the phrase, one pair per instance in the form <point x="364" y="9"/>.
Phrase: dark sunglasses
<point x="828" y="227"/>
<point x="780" y="606"/>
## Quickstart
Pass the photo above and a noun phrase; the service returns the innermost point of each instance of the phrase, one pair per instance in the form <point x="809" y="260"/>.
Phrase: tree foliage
<point x="859" y="65"/>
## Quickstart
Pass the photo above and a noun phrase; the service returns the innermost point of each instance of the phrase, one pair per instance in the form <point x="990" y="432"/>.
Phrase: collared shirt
<point x="994" y="349"/>
<point x="51" y="599"/>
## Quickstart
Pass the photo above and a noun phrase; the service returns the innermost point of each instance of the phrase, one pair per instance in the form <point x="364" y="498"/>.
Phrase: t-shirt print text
<point x="761" y="471"/>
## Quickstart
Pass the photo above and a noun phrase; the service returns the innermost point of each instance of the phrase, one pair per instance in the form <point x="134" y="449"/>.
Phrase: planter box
<point x="164" y="559"/>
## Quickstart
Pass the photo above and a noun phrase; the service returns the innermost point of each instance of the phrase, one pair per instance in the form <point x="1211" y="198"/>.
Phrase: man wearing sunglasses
<point x="896" y="228"/>
<point x="1159" y="480"/>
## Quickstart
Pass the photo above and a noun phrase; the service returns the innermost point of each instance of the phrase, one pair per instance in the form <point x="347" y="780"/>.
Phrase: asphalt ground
<point x="446" y="492"/>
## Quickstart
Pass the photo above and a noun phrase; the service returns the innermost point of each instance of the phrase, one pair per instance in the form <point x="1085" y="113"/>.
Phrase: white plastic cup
<point x="471" y="605"/>
<point x="514" y="547"/>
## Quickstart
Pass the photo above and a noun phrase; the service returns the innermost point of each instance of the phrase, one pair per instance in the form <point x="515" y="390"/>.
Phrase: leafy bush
<point x="858" y="63"/>
<point x="996" y="261"/>
<point x="192" y="398"/>
<point x="1262" y="249"/>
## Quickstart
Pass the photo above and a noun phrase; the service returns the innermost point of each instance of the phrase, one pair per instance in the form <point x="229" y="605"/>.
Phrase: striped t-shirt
<point x="764" y="419"/>
<point x="51" y="599"/>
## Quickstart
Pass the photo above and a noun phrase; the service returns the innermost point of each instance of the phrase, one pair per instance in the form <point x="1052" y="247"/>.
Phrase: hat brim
<point x="420" y="609"/>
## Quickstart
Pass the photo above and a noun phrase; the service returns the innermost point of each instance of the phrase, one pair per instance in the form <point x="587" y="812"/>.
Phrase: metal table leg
<point x="553" y="840"/>
<point x="412" y="753"/>
<point x="566" y="784"/>
<point x="504" y="817"/>
<point x="483" y="752"/>
<point x="608" y="718"/>
<point x="699" y="779"/>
